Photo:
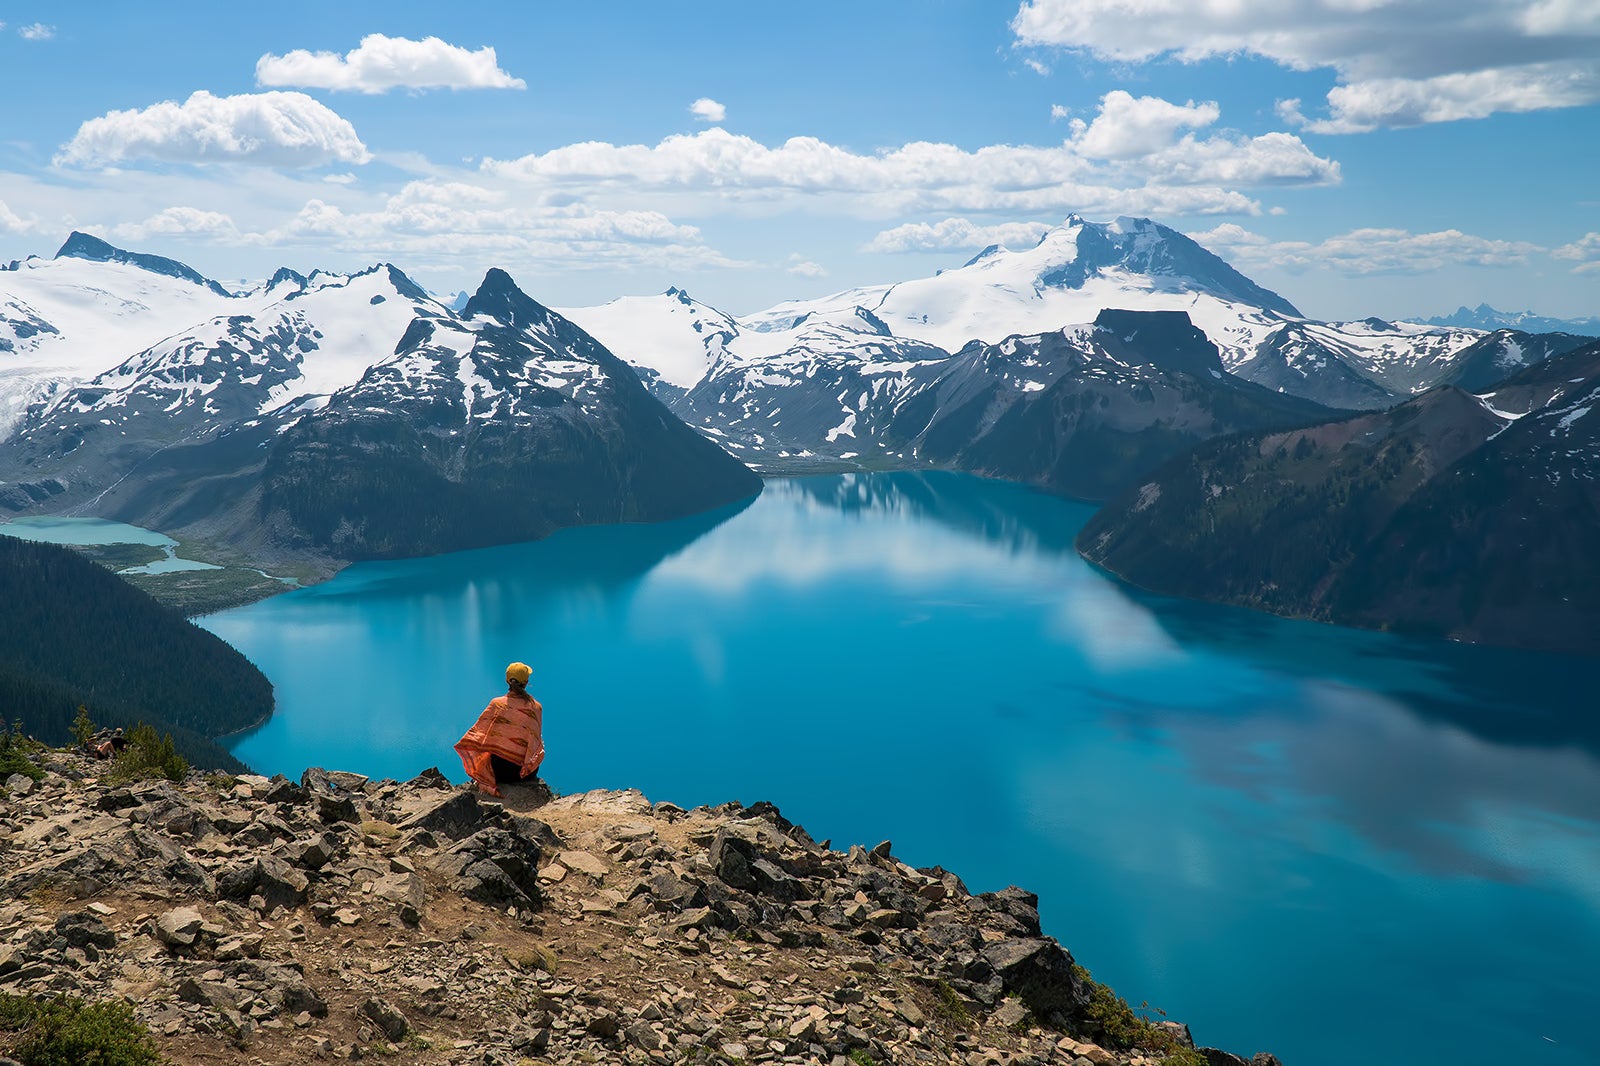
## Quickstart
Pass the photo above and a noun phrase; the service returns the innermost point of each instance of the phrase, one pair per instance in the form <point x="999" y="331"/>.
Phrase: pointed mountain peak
<point x="404" y="285"/>
<point x="88" y="247"/>
<point x="993" y="249"/>
<point x="285" y="276"/>
<point x="499" y="298"/>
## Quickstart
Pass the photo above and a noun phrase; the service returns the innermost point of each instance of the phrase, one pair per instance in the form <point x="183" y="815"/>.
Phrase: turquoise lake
<point x="1335" y="845"/>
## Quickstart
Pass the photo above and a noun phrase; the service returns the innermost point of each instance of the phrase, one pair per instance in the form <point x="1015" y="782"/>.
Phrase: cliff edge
<point x="337" y="918"/>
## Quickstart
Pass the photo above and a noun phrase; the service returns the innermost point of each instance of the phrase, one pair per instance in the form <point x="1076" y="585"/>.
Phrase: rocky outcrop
<point x="337" y="916"/>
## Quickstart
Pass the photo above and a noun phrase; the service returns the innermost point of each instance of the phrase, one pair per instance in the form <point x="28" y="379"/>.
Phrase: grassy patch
<point x="197" y="592"/>
<point x="120" y="556"/>
<point x="1108" y="1020"/>
<point x="536" y="957"/>
<point x="147" y="756"/>
<point x="949" y="1007"/>
<point x="68" y="1031"/>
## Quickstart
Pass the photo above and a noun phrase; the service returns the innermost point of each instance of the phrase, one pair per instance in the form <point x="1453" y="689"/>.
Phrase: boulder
<point x="1038" y="972"/>
<point x="179" y="927"/>
<point x="457" y="815"/>
<point x="80" y="928"/>
<point x="275" y="881"/>
<point x="387" y="1018"/>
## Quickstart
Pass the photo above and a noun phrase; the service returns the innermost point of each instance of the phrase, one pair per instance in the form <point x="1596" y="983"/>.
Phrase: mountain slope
<point x="671" y="339"/>
<point x="503" y="425"/>
<point x="72" y="632"/>
<point x="1074" y="272"/>
<point x="1472" y="517"/>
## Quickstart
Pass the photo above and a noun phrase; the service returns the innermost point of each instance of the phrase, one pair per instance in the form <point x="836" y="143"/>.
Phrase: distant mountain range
<point x="1485" y="317"/>
<point x="327" y="417"/>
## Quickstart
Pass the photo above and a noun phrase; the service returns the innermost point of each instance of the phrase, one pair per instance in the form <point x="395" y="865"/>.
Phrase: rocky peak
<point x="79" y="245"/>
<point x="499" y="298"/>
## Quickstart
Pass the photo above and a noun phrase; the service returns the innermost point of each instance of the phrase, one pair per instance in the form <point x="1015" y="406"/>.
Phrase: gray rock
<point x="82" y="928"/>
<point x="457" y="815"/>
<point x="1039" y="972"/>
<point x="346" y="781"/>
<point x="642" y="1035"/>
<point x="179" y="927"/>
<point x="19" y="784"/>
<point x="1262" y="1058"/>
<point x="1178" y="1031"/>
<point x="337" y="808"/>
<point x="387" y="1018"/>
<point x="269" y="877"/>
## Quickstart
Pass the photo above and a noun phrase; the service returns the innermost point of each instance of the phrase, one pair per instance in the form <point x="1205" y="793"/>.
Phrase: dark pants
<point x="505" y="771"/>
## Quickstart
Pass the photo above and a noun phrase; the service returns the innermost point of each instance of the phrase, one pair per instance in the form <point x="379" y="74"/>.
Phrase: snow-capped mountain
<point x="68" y="318"/>
<point x="340" y="416"/>
<point x="671" y="339"/>
<point x="1074" y="272"/>
<point x="1487" y="318"/>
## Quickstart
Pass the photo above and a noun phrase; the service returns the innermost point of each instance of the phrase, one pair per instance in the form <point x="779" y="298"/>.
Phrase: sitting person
<point x="506" y="744"/>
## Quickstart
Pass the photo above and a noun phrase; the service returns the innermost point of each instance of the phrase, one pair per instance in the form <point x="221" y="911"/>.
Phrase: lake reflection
<point x="1335" y="845"/>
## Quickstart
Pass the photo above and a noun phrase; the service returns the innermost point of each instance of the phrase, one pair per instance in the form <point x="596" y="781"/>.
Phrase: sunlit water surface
<point x="1339" y="846"/>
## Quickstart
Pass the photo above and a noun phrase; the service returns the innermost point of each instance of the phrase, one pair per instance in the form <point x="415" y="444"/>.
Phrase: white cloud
<point x="10" y="221"/>
<point x="1369" y="105"/>
<point x="339" y="179"/>
<point x="272" y="129"/>
<point x="179" y="221"/>
<point x="36" y="32"/>
<point x="1126" y="160"/>
<point x="1041" y="69"/>
<point x="706" y="109"/>
<point x="1058" y="112"/>
<point x="1366" y="251"/>
<point x="1128" y="127"/>
<point x="805" y="268"/>
<point x="382" y="63"/>
<point x="458" y="221"/>
<point x="956" y="233"/>
<point x="1398" y="63"/>
<point x="1585" y="250"/>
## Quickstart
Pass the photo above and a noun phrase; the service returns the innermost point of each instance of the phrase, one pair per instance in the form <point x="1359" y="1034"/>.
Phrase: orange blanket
<point x="510" y="727"/>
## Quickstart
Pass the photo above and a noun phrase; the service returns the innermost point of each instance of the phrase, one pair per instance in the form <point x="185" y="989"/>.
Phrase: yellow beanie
<point x="519" y="672"/>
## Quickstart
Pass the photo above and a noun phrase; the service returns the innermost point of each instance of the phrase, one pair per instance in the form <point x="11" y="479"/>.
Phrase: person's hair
<point x="516" y="686"/>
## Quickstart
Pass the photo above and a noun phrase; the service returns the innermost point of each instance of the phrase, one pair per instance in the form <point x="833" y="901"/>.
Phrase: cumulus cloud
<point x="1585" y="250"/>
<point x="10" y="221"/>
<point x="805" y="268"/>
<point x="956" y="233"/>
<point x="36" y="32"/>
<point x="1398" y="64"/>
<point x="452" y="220"/>
<point x="382" y="63"/>
<point x="1128" y="159"/>
<point x="180" y="221"/>
<point x="1059" y="112"/>
<point x="1367" y="251"/>
<point x="272" y="129"/>
<point x="706" y="109"/>
<point x="1128" y="127"/>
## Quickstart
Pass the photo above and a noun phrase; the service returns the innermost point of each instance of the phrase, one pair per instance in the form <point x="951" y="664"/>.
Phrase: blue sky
<point x="1390" y="157"/>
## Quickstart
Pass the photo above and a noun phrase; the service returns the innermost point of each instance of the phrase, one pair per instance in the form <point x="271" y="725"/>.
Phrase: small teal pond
<point x="1334" y="845"/>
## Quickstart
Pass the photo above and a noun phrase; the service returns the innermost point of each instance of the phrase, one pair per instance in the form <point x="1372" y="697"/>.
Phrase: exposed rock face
<point x="434" y="926"/>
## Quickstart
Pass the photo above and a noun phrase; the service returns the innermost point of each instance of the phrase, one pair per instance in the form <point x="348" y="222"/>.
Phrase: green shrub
<point x="148" y="756"/>
<point x="1108" y="1020"/>
<point x="67" y="1031"/>
<point x="83" y="727"/>
<point x="14" y="748"/>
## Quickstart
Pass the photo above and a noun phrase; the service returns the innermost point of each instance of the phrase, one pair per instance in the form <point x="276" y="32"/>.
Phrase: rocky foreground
<point x="274" y="922"/>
